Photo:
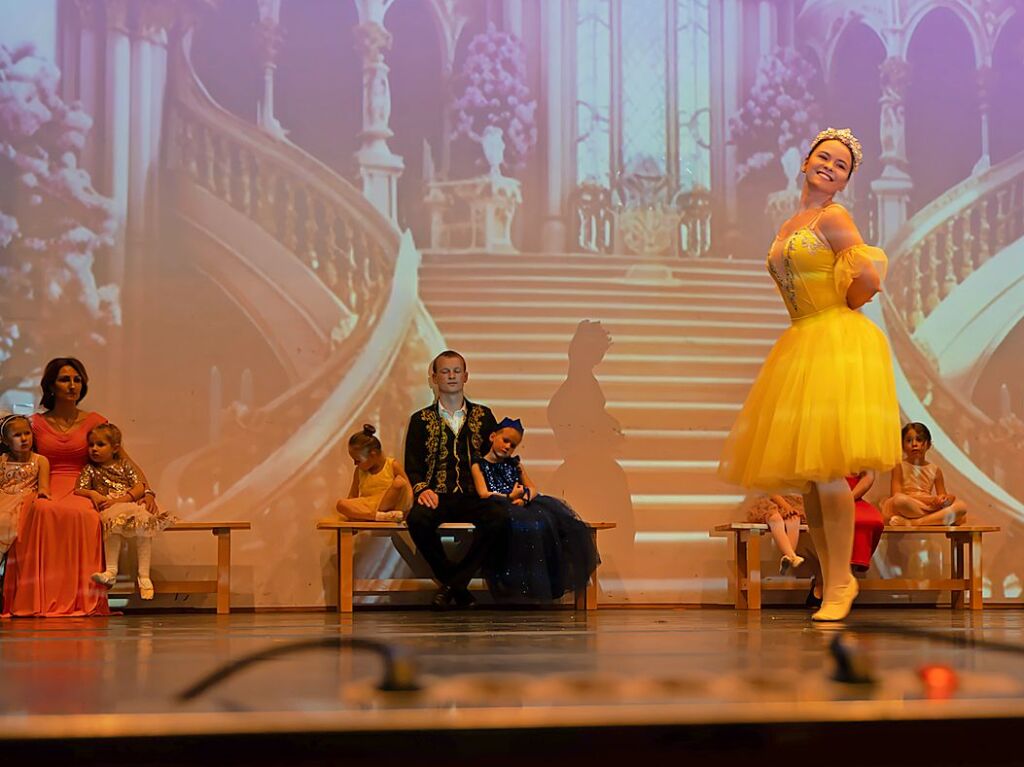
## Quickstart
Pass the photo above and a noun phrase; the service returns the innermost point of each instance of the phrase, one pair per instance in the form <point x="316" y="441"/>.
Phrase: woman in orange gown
<point x="60" y="543"/>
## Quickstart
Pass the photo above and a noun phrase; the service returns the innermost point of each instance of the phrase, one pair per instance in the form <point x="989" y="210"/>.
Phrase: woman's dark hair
<point x="853" y="160"/>
<point x="919" y="428"/>
<point x="50" y="378"/>
<point x="364" y="441"/>
<point x="5" y="425"/>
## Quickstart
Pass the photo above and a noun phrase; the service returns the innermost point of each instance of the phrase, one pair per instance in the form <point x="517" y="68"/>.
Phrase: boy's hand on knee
<point x="429" y="499"/>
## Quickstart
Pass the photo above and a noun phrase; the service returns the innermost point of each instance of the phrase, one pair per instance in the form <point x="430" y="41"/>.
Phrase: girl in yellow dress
<point x="380" y="489"/>
<point x="824" y="404"/>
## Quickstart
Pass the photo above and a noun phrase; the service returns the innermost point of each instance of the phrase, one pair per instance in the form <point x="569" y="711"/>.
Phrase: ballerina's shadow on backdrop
<point x="590" y="439"/>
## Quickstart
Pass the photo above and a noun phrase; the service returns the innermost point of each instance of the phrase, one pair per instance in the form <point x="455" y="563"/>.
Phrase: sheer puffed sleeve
<point x="852" y="261"/>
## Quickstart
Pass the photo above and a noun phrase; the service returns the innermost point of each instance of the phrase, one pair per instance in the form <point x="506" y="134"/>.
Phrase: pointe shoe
<point x="788" y="562"/>
<point x="838" y="610"/>
<point x="145" y="588"/>
<point x="107" y="578"/>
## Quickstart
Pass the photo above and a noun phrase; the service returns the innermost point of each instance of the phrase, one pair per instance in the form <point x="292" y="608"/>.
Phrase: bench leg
<point x="754" y="570"/>
<point x="223" y="570"/>
<point x="956" y="561"/>
<point x="748" y="570"/>
<point x="346" y="558"/>
<point x="974" y="546"/>
<point x="587" y="600"/>
<point x="739" y="566"/>
<point x="592" y="584"/>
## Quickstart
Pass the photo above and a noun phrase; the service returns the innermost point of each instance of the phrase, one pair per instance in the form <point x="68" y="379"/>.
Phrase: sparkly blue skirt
<point x="546" y="551"/>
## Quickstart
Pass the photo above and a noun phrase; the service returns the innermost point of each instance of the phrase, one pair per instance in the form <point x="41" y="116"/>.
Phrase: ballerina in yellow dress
<point x="824" y="404"/>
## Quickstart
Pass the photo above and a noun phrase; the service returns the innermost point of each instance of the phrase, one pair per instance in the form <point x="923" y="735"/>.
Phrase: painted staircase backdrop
<point x="302" y="206"/>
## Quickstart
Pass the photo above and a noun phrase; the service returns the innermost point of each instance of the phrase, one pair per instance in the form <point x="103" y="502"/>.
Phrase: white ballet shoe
<point x="389" y="516"/>
<point x="107" y="578"/>
<point x="837" y="610"/>
<point x="145" y="588"/>
<point x="789" y="561"/>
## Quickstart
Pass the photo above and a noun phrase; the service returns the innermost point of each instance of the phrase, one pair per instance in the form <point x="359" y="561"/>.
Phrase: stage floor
<point x="675" y="670"/>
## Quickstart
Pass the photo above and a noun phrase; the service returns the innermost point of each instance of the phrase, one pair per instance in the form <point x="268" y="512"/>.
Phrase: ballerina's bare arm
<point x="838" y="228"/>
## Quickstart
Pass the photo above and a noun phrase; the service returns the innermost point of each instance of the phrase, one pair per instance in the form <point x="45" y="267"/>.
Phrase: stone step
<point x="518" y="384"/>
<point x="549" y="350"/>
<point x="439" y="293"/>
<point x="460" y="284"/>
<point x="572" y="262"/>
<point x="691" y="393"/>
<point x="653" y="330"/>
<point x="639" y="444"/>
<point x="655" y="477"/>
<point x="607" y="312"/>
<point x="683" y="414"/>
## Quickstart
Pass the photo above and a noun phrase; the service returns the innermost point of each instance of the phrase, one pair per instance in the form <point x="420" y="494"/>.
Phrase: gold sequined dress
<point x="824" y="403"/>
<point x="19" y="482"/>
<point x="128" y="519"/>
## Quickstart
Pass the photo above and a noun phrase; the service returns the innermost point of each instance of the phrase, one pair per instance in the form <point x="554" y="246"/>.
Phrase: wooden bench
<point x="965" y="576"/>
<point x="222" y="586"/>
<point x="349" y="586"/>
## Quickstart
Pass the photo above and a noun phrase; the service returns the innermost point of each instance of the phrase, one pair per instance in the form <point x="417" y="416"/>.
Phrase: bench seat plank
<point x="965" y="566"/>
<point x="221" y="586"/>
<point x="345" y="532"/>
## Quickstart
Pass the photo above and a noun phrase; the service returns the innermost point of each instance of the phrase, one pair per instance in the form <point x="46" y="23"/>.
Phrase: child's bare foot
<point x="897" y="521"/>
<point x="952" y="518"/>
<point x="389" y="516"/>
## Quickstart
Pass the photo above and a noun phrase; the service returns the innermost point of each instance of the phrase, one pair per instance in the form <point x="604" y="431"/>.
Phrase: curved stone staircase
<point x="331" y="286"/>
<point x="683" y="356"/>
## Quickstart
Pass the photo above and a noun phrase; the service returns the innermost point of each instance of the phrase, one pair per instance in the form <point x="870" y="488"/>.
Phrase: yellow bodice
<point x="811" y="277"/>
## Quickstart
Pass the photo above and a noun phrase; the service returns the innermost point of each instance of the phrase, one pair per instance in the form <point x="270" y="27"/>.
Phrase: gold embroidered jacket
<point x="439" y="460"/>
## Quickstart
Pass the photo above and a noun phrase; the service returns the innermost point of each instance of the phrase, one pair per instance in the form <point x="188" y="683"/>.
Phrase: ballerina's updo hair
<point x="845" y="137"/>
<point x="364" y="441"/>
<point x="5" y="424"/>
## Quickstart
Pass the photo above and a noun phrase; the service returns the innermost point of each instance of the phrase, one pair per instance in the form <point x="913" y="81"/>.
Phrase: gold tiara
<point x="846" y="138"/>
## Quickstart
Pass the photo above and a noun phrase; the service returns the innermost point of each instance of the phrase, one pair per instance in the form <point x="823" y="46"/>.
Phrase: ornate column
<point x="986" y="81"/>
<point x="892" y="188"/>
<point x="557" y="146"/>
<point x="268" y="43"/>
<point x="379" y="167"/>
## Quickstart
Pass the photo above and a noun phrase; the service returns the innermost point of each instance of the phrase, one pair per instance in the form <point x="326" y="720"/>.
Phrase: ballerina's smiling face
<point x="829" y="166"/>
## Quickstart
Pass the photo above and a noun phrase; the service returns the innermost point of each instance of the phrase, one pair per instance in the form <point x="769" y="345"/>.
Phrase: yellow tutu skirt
<point x="823" y="407"/>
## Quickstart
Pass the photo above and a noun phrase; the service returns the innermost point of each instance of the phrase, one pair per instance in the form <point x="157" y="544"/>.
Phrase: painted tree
<point x="53" y="224"/>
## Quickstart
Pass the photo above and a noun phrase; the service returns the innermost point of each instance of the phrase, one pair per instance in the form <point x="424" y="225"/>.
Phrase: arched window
<point x="643" y="89"/>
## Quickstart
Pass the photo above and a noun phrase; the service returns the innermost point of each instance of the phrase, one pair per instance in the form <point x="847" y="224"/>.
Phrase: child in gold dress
<point x="116" y="490"/>
<point x="380" y="489"/>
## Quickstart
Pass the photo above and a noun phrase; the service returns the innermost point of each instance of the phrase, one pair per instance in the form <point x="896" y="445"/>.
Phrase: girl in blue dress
<point x="548" y="550"/>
